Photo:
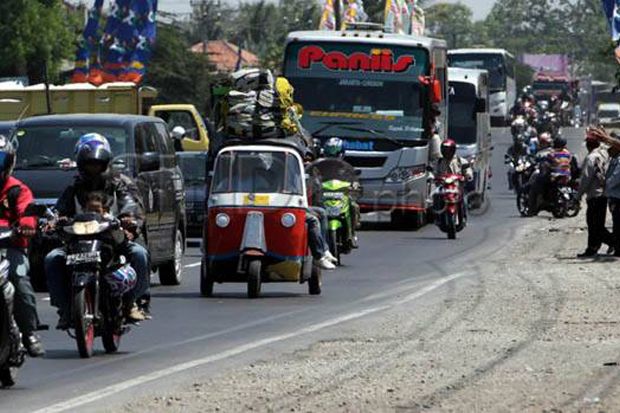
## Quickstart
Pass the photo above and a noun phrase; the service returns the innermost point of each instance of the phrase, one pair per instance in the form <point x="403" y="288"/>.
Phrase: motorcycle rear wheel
<point x="112" y="325"/>
<point x="83" y="318"/>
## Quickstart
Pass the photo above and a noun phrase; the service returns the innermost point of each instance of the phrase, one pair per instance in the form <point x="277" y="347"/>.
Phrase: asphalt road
<point x="191" y="336"/>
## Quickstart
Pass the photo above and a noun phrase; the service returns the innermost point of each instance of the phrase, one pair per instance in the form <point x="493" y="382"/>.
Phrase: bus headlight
<point x="403" y="174"/>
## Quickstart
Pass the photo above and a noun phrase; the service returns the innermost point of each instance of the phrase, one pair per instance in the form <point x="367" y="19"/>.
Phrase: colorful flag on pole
<point x="612" y="11"/>
<point x="328" y="17"/>
<point x="354" y="12"/>
<point x="393" y="16"/>
<point x="124" y="48"/>
<point x="417" y="17"/>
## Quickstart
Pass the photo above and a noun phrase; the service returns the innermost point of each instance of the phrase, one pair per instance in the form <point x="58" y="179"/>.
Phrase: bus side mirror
<point x="481" y="105"/>
<point x="436" y="92"/>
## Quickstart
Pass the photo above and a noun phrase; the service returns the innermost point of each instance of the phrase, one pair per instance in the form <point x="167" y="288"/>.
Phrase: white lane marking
<point x="402" y="289"/>
<point x="156" y="375"/>
<point x="194" y="265"/>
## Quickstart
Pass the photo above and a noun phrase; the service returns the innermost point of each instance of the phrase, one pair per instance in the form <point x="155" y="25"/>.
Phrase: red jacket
<point x="15" y="197"/>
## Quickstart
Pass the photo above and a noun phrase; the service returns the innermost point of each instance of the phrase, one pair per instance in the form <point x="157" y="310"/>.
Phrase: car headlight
<point x="222" y="220"/>
<point x="288" y="220"/>
<point x="403" y="174"/>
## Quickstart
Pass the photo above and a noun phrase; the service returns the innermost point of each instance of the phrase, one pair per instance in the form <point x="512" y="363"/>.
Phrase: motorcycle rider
<point x="334" y="149"/>
<point x="93" y="156"/>
<point x="555" y="164"/>
<point x="450" y="163"/>
<point x="592" y="185"/>
<point x="539" y="178"/>
<point x="15" y="197"/>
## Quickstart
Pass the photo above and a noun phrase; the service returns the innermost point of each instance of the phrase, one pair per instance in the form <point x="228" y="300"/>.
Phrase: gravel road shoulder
<point x="532" y="329"/>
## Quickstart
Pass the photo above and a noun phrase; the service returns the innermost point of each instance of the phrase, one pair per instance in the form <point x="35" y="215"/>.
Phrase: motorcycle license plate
<point x="83" y="258"/>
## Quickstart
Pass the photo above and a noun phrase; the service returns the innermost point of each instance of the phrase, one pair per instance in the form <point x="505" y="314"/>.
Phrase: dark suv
<point x="142" y="149"/>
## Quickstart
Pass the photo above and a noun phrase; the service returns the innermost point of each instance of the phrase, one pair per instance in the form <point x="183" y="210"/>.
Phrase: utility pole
<point x="337" y="14"/>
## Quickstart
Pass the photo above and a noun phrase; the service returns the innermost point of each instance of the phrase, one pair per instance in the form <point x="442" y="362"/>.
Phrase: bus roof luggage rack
<point x="366" y="26"/>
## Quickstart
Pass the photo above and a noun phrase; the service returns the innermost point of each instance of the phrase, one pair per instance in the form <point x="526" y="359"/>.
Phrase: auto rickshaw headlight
<point x="222" y="220"/>
<point x="288" y="220"/>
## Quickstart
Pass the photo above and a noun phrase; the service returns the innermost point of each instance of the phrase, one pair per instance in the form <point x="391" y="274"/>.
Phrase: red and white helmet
<point x="448" y="148"/>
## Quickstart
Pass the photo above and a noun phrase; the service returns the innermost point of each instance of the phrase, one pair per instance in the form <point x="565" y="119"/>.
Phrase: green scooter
<point x="340" y="186"/>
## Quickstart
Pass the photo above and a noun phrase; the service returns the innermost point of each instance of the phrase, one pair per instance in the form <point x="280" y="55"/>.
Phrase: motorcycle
<point x="12" y="351"/>
<point x="340" y="184"/>
<point x="561" y="201"/>
<point x="520" y="170"/>
<point x="449" y="204"/>
<point x="92" y="262"/>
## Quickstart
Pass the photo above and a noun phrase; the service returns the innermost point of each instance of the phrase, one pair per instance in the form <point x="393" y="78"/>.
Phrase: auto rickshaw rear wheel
<point x="254" y="278"/>
<point x="315" y="281"/>
<point x="206" y="282"/>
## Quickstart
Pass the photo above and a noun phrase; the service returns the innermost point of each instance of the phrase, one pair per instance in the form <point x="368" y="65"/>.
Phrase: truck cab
<point x="196" y="137"/>
<point x="469" y="125"/>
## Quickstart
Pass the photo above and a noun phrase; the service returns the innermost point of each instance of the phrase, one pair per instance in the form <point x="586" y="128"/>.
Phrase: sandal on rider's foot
<point x="135" y="315"/>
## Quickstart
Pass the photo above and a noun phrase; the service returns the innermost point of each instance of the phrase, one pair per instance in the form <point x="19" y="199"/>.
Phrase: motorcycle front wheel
<point x="83" y="319"/>
<point x="333" y="244"/>
<point x="451" y="226"/>
<point x="523" y="201"/>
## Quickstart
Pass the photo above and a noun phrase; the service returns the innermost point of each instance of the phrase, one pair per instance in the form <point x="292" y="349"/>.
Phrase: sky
<point x="480" y="7"/>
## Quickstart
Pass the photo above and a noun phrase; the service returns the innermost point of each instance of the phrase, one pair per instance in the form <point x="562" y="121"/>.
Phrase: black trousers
<point x="595" y="218"/>
<point x="614" y="205"/>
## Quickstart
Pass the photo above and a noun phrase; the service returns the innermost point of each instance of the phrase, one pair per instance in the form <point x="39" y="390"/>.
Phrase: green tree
<point x="179" y="75"/>
<point x="34" y="33"/>
<point x="452" y="22"/>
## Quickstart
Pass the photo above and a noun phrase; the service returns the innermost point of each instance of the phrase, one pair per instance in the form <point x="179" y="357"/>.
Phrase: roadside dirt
<point x="533" y="329"/>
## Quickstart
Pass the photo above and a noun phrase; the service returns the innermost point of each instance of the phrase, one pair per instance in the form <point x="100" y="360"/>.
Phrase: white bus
<point x="502" y="80"/>
<point x="469" y="125"/>
<point x="363" y="85"/>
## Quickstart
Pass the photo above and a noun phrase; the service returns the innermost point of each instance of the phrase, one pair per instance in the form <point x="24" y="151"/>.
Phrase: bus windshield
<point x="462" y="113"/>
<point x="493" y="63"/>
<point x="369" y="88"/>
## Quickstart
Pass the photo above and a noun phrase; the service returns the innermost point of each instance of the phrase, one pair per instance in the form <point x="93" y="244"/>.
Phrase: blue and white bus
<point x="502" y="78"/>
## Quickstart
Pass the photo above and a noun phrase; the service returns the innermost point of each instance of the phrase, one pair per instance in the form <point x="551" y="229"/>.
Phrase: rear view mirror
<point x="178" y="133"/>
<point x="481" y="105"/>
<point x="149" y="162"/>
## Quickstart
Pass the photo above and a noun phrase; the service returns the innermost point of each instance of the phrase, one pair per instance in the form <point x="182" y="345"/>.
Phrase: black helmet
<point x="448" y="148"/>
<point x="7" y="158"/>
<point x="92" y="148"/>
<point x="559" y="143"/>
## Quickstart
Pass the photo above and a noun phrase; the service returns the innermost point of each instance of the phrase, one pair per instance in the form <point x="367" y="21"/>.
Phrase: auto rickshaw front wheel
<point x="254" y="278"/>
<point x="315" y="281"/>
<point x="206" y="283"/>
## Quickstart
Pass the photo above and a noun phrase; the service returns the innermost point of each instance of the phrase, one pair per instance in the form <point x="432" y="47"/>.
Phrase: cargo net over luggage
<point x="261" y="107"/>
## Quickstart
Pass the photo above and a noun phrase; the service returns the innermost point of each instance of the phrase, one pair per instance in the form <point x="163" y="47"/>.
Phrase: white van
<point x="608" y="113"/>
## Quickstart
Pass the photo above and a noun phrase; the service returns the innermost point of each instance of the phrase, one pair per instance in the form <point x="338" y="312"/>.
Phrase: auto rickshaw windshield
<point x="257" y="172"/>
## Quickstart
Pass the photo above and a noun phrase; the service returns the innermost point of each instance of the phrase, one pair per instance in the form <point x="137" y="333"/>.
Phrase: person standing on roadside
<point x="612" y="181"/>
<point x="592" y="185"/>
